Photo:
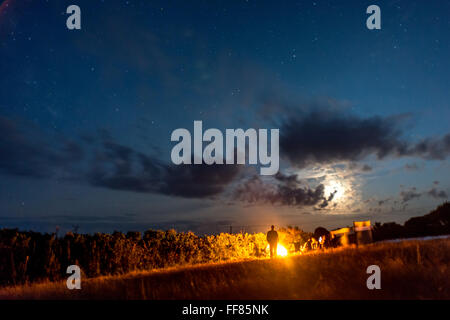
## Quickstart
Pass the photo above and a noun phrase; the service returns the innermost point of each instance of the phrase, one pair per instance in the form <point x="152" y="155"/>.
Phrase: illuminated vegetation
<point x="26" y="257"/>
<point x="409" y="270"/>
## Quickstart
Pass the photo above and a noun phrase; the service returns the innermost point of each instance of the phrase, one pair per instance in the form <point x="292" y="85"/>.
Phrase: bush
<point x="29" y="256"/>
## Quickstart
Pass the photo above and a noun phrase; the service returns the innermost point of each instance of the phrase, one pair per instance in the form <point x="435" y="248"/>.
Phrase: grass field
<point x="409" y="270"/>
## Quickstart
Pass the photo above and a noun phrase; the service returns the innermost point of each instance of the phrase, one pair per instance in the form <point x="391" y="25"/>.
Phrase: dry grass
<point x="409" y="270"/>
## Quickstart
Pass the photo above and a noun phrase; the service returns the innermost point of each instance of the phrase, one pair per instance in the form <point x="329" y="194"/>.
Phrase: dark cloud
<point x="329" y="137"/>
<point x="432" y="148"/>
<point x="121" y="168"/>
<point x="287" y="179"/>
<point x="326" y="201"/>
<point x="316" y="137"/>
<point x="437" y="194"/>
<point x="410" y="194"/>
<point x="287" y="192"/>
<point x="326" y="137"/>
<point x="25" y="153"/>
<point x="194" y="181"/>
<point x="383" y="201"/>
<point x="101" y="161"/>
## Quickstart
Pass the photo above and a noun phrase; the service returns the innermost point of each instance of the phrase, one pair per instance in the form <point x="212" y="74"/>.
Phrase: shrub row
<point x="30" y="256"/>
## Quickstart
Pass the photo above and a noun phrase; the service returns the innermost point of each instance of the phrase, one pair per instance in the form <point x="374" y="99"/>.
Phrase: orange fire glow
<point x="281" y="250"/>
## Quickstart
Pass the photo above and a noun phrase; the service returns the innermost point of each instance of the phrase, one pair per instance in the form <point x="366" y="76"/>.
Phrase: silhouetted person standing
<point x="272" y="239"/>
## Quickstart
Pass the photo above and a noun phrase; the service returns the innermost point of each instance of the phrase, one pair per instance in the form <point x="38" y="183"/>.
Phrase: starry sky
<point x="86" y="115"/>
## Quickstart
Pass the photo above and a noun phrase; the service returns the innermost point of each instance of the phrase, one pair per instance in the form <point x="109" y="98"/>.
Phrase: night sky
<point x="86" y="115"/>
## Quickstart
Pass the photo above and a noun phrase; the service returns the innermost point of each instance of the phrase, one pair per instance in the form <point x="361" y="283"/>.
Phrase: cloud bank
<point x="288" y="191"/>
<point x="321" y="137"/>
<point x="317" y="137"/>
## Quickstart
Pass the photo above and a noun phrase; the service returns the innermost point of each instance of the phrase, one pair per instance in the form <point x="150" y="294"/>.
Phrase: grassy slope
<point x="409" y="270"/>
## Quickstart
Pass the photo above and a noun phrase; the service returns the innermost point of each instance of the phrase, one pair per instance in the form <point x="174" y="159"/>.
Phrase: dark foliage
<point x="437" y="222"/>
<point x="30" y="256"/>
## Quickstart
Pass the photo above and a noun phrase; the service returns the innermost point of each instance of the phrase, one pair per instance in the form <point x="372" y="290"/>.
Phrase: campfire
<point x="281" y="250"/>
